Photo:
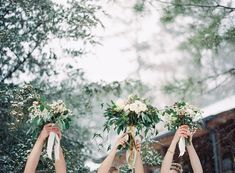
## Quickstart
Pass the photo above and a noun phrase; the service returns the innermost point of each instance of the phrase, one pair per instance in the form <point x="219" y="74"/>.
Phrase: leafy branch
<point x="198" y="5"/>
<point x="19" y="64"/>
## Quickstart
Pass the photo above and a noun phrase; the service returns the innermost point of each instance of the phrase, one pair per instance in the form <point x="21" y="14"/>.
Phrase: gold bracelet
<point x="170" y="151"/>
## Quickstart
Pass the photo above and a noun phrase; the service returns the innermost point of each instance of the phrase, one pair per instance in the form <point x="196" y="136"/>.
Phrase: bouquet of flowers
<point x="182" y="113"/>
<point x="42" y="113"/>
<point x="134" y="116"/>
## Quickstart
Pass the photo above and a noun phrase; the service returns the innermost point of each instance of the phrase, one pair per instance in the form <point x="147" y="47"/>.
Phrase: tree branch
<point x="17" y="66"/>
<point x="199" y="5"/>
<point x="230" y="71"/>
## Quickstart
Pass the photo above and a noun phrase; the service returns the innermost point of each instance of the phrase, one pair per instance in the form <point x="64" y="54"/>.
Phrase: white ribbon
<point x="181" y="145"/>
<point x="53" y="141"/>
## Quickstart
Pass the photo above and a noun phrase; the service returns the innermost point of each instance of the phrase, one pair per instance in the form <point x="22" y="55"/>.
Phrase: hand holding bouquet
<point x="42" y="113"/>
<point x="182" y="113"/>
<point x="134" y="116"/>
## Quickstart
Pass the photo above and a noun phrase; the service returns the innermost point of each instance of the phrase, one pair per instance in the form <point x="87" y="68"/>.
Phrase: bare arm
<point x="60" y="164"/>
<point x="166" y="164"/>
<point x="194" y="159"/>
<point x="34" y="156"/>
<point x="139" y="164"/>
<point x="167" y="161"/>
<point x="107" y="163"/>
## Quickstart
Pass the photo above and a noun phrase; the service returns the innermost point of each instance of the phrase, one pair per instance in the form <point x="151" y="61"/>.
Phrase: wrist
<point x="41" y="139"/>
<point x="138" y="155"/>
<point x="174" y="141"/>
<point x="115" y="148"/>
<point x="189" y="145"/>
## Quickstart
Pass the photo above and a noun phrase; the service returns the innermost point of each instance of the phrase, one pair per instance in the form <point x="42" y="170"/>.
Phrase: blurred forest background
<point x="174" y="49"/>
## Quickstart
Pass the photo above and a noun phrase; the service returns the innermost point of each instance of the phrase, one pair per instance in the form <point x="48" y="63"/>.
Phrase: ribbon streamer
<point x="131" y="153"/>
<point x="181" y="145"/>
<point x="131" y="158"/>
<point x="53" y="141"/>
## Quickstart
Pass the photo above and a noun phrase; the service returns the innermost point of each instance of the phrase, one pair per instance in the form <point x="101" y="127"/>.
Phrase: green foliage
<point x="168" y="16"/>
<point x="125" y="169"/>
<point x="149" y="154"/>
<point x="205" y="38"/>
<point x="209" y="40"/>
<point x="139" y="7"/>
<point x="26" y="29"/>
<point x="184" y="87"/>
<point x="131" y="112"/>
<point x="229" y="35"/>
<point x="28" y="26"/>
<point x="16" y="143"/>
<point x="85" y="98"/>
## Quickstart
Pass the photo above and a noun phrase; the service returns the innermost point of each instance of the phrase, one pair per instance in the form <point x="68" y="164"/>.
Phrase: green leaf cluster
<point x="119" y="119"/>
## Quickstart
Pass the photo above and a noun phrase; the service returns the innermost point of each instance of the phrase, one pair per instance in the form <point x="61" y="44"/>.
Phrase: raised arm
<point x="107" y="163"/>
<point x="139" y="164"/>
<point x="194" y="159"/>
<point x="34" y="156"/>
<point x="60" y="164"/>
<point x="166" y="164"/>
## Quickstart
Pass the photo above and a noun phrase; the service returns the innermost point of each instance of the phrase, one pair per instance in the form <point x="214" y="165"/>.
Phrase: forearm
<point x="166" y="164"/>
<point x="194" y="159"/>
<point x="107" y="163"/>
<point x="34" y="157"/>
<point x="60" y="164"/>
<point x="139" y="164"/>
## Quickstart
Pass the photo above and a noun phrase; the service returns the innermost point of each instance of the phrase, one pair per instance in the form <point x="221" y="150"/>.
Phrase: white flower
<point x="138" y="107"/>
<point x="127" y="108"/>
<point x="197" y="117"/>
<point x="141" y="106"/>
<point x="35" y="103"/>
<point x="121" y="103"/>
<point x="167" y="119"/>
<point x="190" y="112"/>
<point x="134" y="107"/>
<point x="138" y="102"/>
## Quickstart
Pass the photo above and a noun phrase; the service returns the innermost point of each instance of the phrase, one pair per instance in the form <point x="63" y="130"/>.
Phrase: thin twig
<point x="198" y="5"/>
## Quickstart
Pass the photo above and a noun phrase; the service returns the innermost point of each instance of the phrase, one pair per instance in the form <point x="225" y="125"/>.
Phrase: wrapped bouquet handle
<point x="53" y="142"/>
<point x="131" y="153"/>
<point x="183" y="142"/>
